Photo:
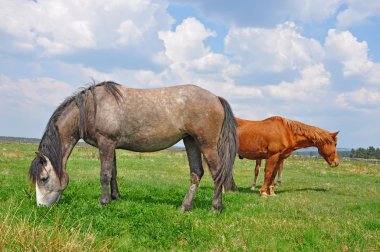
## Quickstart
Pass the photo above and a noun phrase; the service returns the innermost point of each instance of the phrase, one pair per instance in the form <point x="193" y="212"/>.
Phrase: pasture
<point x="317" y="208"/>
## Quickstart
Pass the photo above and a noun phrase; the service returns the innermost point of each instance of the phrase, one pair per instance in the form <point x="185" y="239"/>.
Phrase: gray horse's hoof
<point x="185" y="208"/>
<point x="115" y="196"/>
<point x="104" y="202"/>
<point x="217" y="208"/>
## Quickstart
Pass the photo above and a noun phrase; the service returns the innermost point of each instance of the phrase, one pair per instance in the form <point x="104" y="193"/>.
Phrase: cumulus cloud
<point x="30" y="94"/>
<point x="186" y="42"/>
<point x="313" y="81"/>
<point x="344" y="47"/>
<point x="316" y="10"/>
<point x="272" y="50"/>
<point x="357" y="12"/>
<point x="360" y="99"/>
<point x="188" y="60"/>
<point x="63" y="26"/>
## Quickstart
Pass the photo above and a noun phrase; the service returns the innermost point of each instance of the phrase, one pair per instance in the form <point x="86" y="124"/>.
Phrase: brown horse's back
<point x="259" y="139"/>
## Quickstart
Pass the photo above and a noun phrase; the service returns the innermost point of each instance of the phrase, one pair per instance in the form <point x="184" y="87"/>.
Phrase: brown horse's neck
<point x="302" y="142"/>
<point x="306" y="135"/>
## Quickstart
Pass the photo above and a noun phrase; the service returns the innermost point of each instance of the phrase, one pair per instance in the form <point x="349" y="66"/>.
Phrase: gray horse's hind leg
<point x="114" y="188"/>
<point x="196" y="171"/>
<point x="210" y="153"/>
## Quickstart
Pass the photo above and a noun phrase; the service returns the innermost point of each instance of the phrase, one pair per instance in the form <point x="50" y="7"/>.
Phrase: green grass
<point x="317" y="208"/>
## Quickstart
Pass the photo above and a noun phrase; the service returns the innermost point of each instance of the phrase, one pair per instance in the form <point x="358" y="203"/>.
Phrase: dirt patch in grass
<point x="11" y="154"/>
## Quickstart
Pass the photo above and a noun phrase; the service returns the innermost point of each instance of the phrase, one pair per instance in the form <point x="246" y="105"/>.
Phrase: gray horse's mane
<point x="50" y="144"/>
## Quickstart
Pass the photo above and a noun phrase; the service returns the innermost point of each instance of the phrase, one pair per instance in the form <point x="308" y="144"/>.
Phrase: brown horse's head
<point x="328" y="150"/>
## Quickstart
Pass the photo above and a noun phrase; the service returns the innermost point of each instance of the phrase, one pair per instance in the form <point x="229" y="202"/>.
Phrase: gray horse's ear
<point x="41" y="156"/>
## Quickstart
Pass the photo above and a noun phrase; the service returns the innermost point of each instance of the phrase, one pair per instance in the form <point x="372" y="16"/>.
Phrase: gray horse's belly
<point x="150" y="139"/>
<point x="149" y="143"/>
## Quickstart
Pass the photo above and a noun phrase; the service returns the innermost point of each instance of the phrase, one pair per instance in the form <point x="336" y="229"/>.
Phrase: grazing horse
<point x="275" y="138"/>
<point x="109" y="116"/>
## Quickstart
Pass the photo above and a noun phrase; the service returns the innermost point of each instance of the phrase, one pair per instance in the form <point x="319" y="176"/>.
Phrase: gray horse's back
<point x="155" y="119"/>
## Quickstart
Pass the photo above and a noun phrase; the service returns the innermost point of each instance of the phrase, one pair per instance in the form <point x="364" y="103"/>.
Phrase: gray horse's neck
<point x="68" y="127"/>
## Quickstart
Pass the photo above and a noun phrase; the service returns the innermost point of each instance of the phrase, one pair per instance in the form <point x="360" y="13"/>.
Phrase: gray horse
<point x="110" y="116"/>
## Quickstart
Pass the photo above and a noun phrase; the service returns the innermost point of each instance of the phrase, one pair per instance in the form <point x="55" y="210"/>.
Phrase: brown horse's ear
<point x="41" y="156"/>
<point x="334" y="134"/>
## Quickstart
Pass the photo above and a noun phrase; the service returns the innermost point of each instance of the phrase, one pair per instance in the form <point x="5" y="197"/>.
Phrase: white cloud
<point x="63" y="26"/>
<point x="188" y="60"/>
<point x="129" y="33"/>
<point x="357" y="12"/>
<point x="30" y="94"/>
<point x="360" y="99"/>
<point x="318" y="10"/>
<point x="186" y="42"/>
<point x="272" y="50"/>
<point x="312" y="82"/>
<point x="344" y="47"/>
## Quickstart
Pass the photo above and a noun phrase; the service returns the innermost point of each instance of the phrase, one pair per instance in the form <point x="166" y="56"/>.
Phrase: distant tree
<point x="369" y="153"/>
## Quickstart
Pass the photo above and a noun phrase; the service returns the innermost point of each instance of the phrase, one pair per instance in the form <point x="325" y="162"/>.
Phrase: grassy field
<point x="317" y="208"/>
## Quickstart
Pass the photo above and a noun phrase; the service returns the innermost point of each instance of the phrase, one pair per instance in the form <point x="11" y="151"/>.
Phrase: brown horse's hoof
<point x="263" y="194"/>
<point x="253" y="188"/>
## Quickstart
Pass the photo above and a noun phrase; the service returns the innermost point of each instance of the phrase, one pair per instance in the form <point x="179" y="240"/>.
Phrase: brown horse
<point x="110" y="116"/>
<point x="275" y="138"/>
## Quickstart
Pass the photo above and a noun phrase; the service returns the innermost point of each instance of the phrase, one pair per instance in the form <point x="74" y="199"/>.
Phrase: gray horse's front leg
<point x="115" y="195"/>
<point x="107" y="157"/>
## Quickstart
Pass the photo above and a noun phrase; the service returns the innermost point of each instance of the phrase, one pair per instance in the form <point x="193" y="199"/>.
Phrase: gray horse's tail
<point x="227" y="146"/>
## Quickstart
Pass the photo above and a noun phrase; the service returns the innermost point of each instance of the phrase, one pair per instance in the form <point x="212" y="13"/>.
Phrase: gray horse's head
<point x="49" y="185"/>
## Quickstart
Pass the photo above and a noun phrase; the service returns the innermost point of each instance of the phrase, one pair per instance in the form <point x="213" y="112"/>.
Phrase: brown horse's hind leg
<point x="257" y="170"/>
<point x="114" y="188"/>
<point x="196" y="171"/>
<point x="279" y="174"/>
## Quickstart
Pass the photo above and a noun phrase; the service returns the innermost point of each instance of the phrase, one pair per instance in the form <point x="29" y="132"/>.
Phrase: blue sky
<point x="313" y="61"/>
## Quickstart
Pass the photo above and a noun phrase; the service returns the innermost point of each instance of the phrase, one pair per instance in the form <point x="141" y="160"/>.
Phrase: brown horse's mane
<point x="317" y="135"/>
<point x="50" y="144"/>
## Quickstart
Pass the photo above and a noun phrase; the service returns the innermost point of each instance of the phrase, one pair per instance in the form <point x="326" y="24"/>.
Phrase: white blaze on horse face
<point x="48" y="187"/>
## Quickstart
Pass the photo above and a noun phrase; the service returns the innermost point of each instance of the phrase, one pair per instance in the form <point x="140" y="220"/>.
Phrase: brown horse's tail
<point x="227" y="147"/>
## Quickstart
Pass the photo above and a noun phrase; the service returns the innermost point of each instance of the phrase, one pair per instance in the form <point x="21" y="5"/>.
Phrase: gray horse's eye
<point x="44" y="179"/>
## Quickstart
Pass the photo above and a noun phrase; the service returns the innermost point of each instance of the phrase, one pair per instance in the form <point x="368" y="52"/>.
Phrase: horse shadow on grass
<point x="280" y="191"/>
<point x="150" y="196"/>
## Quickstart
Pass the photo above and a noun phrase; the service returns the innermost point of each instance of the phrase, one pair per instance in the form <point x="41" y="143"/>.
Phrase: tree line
<point x="369" y="153"/>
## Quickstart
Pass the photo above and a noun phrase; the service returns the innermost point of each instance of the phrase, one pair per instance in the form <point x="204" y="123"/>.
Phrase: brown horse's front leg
<point x="275" y="170"/>
<point x="270" y="167"/>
